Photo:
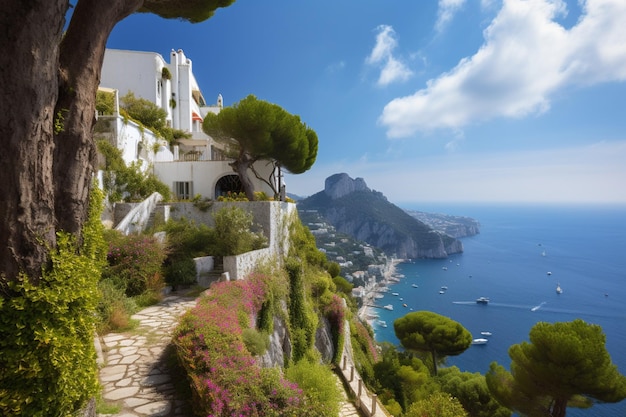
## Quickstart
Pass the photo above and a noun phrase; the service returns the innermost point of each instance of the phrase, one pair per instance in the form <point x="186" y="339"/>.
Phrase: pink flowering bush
<point x="225" y="379"/>
<point x="134" y="263"/>
<point x="336" y="315"/>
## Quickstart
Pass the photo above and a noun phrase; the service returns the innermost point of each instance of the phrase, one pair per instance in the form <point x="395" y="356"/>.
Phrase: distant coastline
<point x="367" y="313"/>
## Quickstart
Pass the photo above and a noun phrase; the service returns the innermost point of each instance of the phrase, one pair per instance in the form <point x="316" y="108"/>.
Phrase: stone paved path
<point x="134" y="373"/>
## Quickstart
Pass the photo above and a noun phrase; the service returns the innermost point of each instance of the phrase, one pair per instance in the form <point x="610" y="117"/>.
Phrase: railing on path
<point x="367" y="402"/>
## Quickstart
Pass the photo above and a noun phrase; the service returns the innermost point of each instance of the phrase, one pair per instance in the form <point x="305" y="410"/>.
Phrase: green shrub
<point x="256" y="342"/>
<point x="233" y="230"/>
<point x="48" y="361"/>
<point x="114" y="307"/>
<point x="333" y="269"/>
<point x="127" y="183"/>
<point x="343" y="285"/>
<point x="181" y="272"/>
<point x="302" y="318"/>
<point x="319" y="386"/>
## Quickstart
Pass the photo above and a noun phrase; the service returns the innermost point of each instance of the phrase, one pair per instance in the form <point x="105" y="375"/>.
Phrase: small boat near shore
<point x="382" y="323"/>
<point x="388" y="307"/>
<point x="486" y="333"/>
<point x="480" y="341"/>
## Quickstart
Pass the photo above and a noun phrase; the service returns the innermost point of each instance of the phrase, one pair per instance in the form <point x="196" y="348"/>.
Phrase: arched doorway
<point x="228" y="184"/>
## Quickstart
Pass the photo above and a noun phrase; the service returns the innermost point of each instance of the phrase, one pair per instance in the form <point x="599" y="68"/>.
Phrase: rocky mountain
<point x="366" y="215"/>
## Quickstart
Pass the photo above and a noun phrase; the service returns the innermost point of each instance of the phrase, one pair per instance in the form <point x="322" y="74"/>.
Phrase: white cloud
<point x="392" y="68"/>
<point x="526" y="58"/>
<point x="446" y="11"/>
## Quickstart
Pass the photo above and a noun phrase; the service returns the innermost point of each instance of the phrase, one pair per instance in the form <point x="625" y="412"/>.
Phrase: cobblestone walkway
<point x="135" y="373"/>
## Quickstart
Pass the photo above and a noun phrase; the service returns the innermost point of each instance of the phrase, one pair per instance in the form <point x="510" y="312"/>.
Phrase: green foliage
<point x="335" y="312"/>
<point x="256" y="341"/>
<point x="333" y="269"/>
<point x="193" y="11"/>
<point x="114" y="307"/>
<point x="364" y="350"/>
<point x="264" y="131"/>
<point x="302" y="319"/>
<point x="127" y="183"/>
<point x="233" y="232"/>
<point x="48" y="366"/>
<point x="181" y="271"/>
<point x="144" y="111"/>
<point x="425" y="331"/>
<point x="202" y="204"/>
<point x="565" y="364"/>
<point x="149" y="115"/>
<point x="230" y="196"/>
<point x="134" y="263"/>
<point x="105" y="102"/>
<point x="319" y="385"/>
<point x="437" y="405"/>
<point x="166" y="74"/>
<point x="472" y="392"/>
<point x="343" y="285"/>
<point x="303" y="246"/>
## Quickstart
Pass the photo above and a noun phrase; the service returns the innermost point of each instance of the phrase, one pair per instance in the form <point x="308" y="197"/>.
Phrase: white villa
<point x="195" y="166"/>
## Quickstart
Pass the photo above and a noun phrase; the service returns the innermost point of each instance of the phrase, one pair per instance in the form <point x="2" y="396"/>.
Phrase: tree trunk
<point x="434" y="356"/>
<point x="29" y="40"/>
<point x="81" y="57"/>
<point x="559" y="407"/>
<point x="46" y="122"/>
<point x="241" y="167"/>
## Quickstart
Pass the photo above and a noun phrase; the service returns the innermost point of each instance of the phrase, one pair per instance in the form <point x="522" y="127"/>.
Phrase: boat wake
<point x="535" y="308"/>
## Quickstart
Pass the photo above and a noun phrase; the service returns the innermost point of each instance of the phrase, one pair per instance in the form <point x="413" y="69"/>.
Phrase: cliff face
<point x="339" y="185"/>
<point x="352" y="208"/>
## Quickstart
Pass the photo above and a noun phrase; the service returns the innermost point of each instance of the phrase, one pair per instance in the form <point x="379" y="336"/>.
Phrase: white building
<point x="195" y="166"/>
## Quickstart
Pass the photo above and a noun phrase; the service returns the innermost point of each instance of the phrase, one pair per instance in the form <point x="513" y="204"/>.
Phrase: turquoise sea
<point x="517" y="260"/>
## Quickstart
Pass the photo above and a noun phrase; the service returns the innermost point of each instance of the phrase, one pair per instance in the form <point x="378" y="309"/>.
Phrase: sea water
<point x="517" y="260"/>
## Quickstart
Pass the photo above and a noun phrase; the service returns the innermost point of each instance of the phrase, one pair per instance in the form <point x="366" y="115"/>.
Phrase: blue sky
<point x="428" y="101"/>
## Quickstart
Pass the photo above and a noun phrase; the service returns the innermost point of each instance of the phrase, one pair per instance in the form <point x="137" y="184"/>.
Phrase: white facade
<point x="192" y="167"/>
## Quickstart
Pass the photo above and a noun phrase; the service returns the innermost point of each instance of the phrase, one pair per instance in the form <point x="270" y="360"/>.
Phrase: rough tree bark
<point x="241" y="166"/>
<point x="46" y="119"/>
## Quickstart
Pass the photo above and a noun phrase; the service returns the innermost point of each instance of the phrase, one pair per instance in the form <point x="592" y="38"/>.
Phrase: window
<point x="183" y="190"/>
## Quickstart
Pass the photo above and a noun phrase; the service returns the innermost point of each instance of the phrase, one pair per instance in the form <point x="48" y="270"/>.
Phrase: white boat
<point x="442" y="292"/>
<point x="559" y="290"/>
<point x="414" y="285"/>
<point x="388" y="307"/>
<point x="543" y="253"/>
<point x="482" y="300"/>
<point x="486" y="333"/>
<point x="444" y="288"/>
<point x="395" y="293"/>
<point x="445" y="268"/>
<point x="549" y="273"/>
<point x="382" y="323"/>
<point x="479" y="341"/>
